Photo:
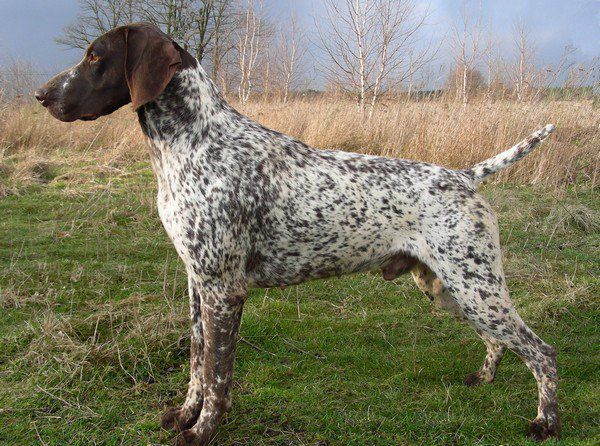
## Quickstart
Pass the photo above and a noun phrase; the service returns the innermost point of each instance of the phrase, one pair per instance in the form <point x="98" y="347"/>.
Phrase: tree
<point x="197" y="25"/>
<point x="18" y="79"/>
<point x="250" y="34"/>
<point x="97" y="17"/>
<point x="524" y="74"/>
<point x="472" y="78"/>
<point x="189" y="22"/>
<point x="467" y="49"/>
<point x="367" y="43"/>
<point x="222" y="42"/>
<point x="528" y="79"/>
<point x="494" y="66"/>
<point x="174" y="17"/>
<point x="292" y="49"/>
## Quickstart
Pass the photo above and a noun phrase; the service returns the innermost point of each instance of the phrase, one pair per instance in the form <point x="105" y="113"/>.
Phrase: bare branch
<point x="370" y="45"/>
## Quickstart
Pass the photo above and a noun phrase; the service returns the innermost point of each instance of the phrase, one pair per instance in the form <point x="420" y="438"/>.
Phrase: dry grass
<point x="34" y="147"/>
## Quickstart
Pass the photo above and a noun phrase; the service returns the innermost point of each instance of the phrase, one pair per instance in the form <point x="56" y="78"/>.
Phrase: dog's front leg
<point x="184" y="417"/>
<point x="221" y="315"/>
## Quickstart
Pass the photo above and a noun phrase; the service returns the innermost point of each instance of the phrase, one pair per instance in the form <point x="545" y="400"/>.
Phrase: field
<point x="94" y="319"/>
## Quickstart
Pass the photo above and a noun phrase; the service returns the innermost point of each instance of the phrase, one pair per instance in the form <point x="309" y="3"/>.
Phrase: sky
<point x="28" y="27"/>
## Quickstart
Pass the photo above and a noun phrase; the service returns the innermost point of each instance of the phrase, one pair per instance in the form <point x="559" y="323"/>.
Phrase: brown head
<point x="132" y="63"/>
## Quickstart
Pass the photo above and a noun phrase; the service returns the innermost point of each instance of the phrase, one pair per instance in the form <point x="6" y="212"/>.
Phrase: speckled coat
<point x="247" y="206"/>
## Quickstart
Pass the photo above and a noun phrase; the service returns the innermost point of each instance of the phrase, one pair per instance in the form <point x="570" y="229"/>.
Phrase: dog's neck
<point x="185" y="114"/>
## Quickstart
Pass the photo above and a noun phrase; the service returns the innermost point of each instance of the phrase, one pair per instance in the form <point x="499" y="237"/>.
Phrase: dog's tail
<point x="481" y="171"/>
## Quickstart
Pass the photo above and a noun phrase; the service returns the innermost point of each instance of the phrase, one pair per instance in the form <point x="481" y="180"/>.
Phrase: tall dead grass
<point x="448" y="134"/>
<point x="36" y="147"/>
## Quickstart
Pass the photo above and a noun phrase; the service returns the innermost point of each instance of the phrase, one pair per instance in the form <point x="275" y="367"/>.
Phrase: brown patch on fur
<point x="541" y="430"/>
<point x="398" y="265"/>
<point x="175" y="419"/>
<point x="473" y="379"/>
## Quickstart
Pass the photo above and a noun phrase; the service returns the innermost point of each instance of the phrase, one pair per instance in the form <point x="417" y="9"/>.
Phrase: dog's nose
<point x="41" y="94"/>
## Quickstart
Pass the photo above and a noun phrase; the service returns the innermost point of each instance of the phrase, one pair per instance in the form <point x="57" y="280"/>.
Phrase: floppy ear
<point x="150" y="63"/>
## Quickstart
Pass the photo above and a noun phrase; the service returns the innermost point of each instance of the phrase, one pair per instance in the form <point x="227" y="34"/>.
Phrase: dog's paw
<point x="543" y="429"/>
<point x="178" y="419"/>
<point x="193" y="437"/>
<point x="478" y="377"/>
<point x="188" y="438"/>
<point x="473" y="379"/>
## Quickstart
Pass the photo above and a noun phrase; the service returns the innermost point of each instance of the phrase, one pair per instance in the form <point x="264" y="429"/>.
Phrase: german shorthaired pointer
<point x="246" y="206"/>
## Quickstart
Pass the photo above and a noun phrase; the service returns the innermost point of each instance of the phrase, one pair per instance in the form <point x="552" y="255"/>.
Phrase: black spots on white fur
<point x="247" y="206"/>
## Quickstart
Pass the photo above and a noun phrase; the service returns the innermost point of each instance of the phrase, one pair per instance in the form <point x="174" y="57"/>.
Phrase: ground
<point x="94" y="332"/>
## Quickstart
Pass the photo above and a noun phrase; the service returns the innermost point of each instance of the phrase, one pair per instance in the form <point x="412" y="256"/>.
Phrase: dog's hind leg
<point x="433" y="288"/>
<point x="503" y="327"/>
<point x="473" y="276"/>
<point x="487" y="373"/>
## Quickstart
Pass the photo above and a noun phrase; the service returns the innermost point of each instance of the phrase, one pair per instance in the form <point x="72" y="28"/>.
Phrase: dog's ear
<point x="151" y="61"/>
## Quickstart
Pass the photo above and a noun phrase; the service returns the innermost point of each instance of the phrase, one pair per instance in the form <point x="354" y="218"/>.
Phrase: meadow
<point x="94" y="325"/>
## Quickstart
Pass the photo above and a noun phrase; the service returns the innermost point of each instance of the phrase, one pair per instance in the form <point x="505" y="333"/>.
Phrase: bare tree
<point x="248" y="35"/>
<point x="398" y="29"/>
<point x="467" y="49"/>
<point x="472" y="79"/>
<point x="581" y="76"/>
<point x="193" y="23"/>
<point x="177" y="18"/>
<point x="223" y="41"/>
<point x="18" y="79"/>
<point x="531" y="81"/>
<point x="198" y="25"/>
<point x="97" y="17"/>
<point x="524" y="73"/>
<point x="494" y="66"/>
<point x="291" y="51"/>
<point x="201" y="26"/>
<point x="367" y="44"/>
<point x="551" y="74"/>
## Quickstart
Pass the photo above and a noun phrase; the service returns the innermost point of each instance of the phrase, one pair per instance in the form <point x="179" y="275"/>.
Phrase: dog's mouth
<point x="67" y="116"/>
<point x="89" y="117"/>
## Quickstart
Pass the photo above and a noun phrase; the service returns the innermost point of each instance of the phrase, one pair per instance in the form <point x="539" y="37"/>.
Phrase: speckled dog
<point x="249" y="207"/>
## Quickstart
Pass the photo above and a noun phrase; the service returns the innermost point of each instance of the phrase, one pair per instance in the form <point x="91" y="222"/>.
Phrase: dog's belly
<point x="274" y="271"/>
<point x="322" y="251"/>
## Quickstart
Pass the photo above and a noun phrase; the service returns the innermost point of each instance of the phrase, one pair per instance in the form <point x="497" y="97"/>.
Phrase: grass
<point x="36" y="148"/>
<point x="94" y="319"/>
<point x="94" y="331"/>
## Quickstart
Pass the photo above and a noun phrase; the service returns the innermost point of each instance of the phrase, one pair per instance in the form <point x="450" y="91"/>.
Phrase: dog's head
<point x="132" y="63"/>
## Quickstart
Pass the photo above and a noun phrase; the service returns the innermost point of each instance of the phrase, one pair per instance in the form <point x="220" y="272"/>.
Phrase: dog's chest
<point x="179" y="203"/>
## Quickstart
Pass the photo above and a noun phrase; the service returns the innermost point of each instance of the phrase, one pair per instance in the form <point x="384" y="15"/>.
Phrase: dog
<point x="246" y="206"/>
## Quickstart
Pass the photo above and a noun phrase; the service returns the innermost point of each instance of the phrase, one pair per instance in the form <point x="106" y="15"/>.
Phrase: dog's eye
<point x="93" y="57"/>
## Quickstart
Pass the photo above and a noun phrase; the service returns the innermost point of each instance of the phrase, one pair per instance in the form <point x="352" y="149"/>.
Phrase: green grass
<point x="94" y="333"/>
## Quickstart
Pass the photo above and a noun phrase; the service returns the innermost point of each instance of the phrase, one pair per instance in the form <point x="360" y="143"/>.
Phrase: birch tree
<point x="249" y="41"/>
<point x="367" y="44"/>
<point x="466" y="43"/>
<point x="292" y="49"/>
<point x="523" y="76"/>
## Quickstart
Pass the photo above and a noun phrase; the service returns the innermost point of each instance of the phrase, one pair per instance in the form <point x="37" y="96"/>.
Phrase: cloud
<point x="28" y="28"/>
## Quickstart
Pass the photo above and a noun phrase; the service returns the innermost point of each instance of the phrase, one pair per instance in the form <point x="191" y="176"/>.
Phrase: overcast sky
<point x="28" y="27"/>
